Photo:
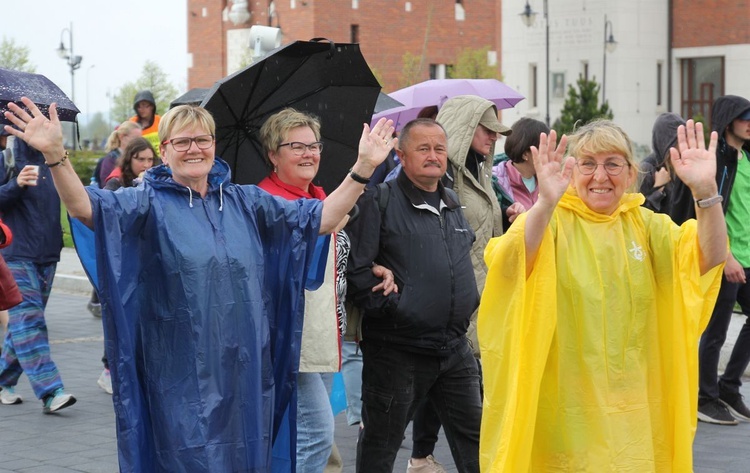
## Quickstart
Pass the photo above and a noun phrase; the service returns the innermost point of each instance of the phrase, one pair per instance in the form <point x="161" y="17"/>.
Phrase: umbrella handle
<point x="333" y="45"/>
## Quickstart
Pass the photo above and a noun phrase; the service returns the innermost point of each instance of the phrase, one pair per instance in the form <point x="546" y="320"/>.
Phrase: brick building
<point x="434" y="32"/>
<point x="671" y="55"/>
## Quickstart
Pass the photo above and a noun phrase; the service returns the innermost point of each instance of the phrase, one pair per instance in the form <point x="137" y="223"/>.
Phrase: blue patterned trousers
<point x="26" y="345"/>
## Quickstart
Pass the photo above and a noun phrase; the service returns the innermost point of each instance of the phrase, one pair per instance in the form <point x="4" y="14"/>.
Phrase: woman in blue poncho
<point x="202" y="283"/>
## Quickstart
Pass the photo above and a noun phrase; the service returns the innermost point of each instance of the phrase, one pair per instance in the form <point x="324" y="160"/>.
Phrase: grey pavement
<point x="81" y="438"/>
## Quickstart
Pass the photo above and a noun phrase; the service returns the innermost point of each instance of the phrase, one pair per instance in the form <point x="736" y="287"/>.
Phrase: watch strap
<point x="709" y="201"/>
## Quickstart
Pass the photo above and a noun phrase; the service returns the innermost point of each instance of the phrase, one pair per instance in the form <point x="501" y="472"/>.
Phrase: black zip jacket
<point x="429" y="256"/>
<point x="724" y="111"/>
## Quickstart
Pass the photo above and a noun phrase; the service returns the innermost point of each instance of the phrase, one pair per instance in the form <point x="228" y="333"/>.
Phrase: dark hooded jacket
<point x="429" y="253"/>
<point x="664" y="136"/>
<point x="724" y="111"/>
<point x="140" y="97"/>
<point x="32" y="212"/>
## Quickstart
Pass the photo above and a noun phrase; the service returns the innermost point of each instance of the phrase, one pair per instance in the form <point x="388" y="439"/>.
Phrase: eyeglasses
<point x="299" y="148"/>
<point x="613" y="167"/>
<point x="144" y="160"/>
<point x="184" y="143"/>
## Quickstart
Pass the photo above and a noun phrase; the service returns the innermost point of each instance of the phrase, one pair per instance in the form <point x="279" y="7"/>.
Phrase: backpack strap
<point x="383" y="195"/>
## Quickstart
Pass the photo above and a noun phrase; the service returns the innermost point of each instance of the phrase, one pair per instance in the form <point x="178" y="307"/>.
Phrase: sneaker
<point x="105" y="382"/>
<point x="715" y="412"/>
<point x="432" y="466"/>
<point x="733" y="402"/>
<point x="95" y="308"/>
<point x="58" y="400"/>
<point x="8" y="396"/>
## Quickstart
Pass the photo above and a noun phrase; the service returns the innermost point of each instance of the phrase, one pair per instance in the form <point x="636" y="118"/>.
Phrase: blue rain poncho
<point x="590" y="363"/>
<point x="202" y="301"/>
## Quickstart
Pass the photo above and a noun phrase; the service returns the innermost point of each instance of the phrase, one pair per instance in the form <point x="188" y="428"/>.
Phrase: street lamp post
<point x="88" y="108"/>
<point x="74" y="62"/>
<point x="609" y="46"/>
<point x="528" y="16"/>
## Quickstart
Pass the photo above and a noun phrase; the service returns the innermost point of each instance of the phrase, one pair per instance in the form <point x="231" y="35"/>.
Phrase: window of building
<point x="354" y="34"/>
<point x="492" y="58"/>
<point x="440" y="71"/>
<point x="292" y="4"/>
<point x="355" y="4"/>
<point x="585" y="69"/>
<point x="702" y="82"/>
<point x="659" y="83"/>
<point x="460" y="12"/>
<point x="533" y="100"/>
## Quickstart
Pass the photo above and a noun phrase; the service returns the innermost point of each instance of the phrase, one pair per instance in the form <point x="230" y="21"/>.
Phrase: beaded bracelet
<point x="65" y="157"/>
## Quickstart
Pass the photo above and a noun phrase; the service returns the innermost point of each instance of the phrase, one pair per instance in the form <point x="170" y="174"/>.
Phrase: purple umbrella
<point x="437" y="91"/>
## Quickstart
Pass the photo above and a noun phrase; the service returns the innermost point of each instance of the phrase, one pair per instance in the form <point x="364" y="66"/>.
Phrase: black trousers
<point x="426" y="425"/>
<point x="396" y="381"/>
<point x="714" y="337"/>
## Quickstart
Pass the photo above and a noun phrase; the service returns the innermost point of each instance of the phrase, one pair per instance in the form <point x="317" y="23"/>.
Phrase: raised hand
<point x="34" y="128"/>
<point x="693" y="163"/>
<point x="376" y="143"/>
<point x="552" y="171"/>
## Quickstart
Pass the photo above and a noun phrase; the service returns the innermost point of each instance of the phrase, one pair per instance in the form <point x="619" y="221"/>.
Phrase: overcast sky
<point x="114" y="38"/>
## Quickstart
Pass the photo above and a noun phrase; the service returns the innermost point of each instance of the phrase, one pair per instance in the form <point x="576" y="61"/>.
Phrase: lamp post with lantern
<point x="609" y="46"/>
<point x="529" y="16"/>
<point x="74" y="62"/>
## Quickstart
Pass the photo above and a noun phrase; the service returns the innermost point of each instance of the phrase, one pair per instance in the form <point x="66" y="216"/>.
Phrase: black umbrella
<point x="42" y="91"/>
<point x="191" y="97"/>
<point x="331" y="81"/>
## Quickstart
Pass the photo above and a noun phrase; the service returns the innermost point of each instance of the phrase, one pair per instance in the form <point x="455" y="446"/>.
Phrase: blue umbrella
<point x="42" y="91"/>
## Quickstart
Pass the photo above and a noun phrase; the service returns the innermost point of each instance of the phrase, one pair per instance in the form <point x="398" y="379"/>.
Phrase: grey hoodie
<point x="663" y="137"/>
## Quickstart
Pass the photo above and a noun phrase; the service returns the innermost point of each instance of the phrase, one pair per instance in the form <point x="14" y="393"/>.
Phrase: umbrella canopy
<point x="437" y="91"/>
<point x="386" y="102"/>
<point x="42" y="91"/>
<point x="331" y="81"/>
<point x="191" y="97"/>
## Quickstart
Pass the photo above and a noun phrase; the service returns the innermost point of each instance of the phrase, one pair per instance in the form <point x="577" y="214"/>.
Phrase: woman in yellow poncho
<point x="590" y="319"/>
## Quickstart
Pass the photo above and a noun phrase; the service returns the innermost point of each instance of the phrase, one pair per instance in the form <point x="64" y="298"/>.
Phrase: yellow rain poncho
<point x="590" y="363"/>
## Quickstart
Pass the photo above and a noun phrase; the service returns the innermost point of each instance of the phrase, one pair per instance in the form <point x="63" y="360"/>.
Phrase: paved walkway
<point x="82" y="439"/>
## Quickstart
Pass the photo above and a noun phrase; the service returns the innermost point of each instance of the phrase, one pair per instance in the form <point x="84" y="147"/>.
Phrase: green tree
<point x="152" y="78"/>
<point x="473" y="64"/>
<point x="14" y="56"/>
<point x="698" y="117"/>
<point x="411" y="68"/>
<point x="97" y="130"/>
<point x="378" y="75"/>
<point x="581" y="106"/>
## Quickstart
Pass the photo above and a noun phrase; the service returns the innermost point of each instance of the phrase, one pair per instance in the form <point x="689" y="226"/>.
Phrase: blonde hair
<point x="115" y="138"/>
<point x="603" y="136"/>
<point x="183" y="116"/>
<point x="276" y="127"/>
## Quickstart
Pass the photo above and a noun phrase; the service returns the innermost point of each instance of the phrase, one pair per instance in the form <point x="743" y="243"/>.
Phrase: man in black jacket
<point x="719" y="400"/>
<point x="414" y="343"/>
